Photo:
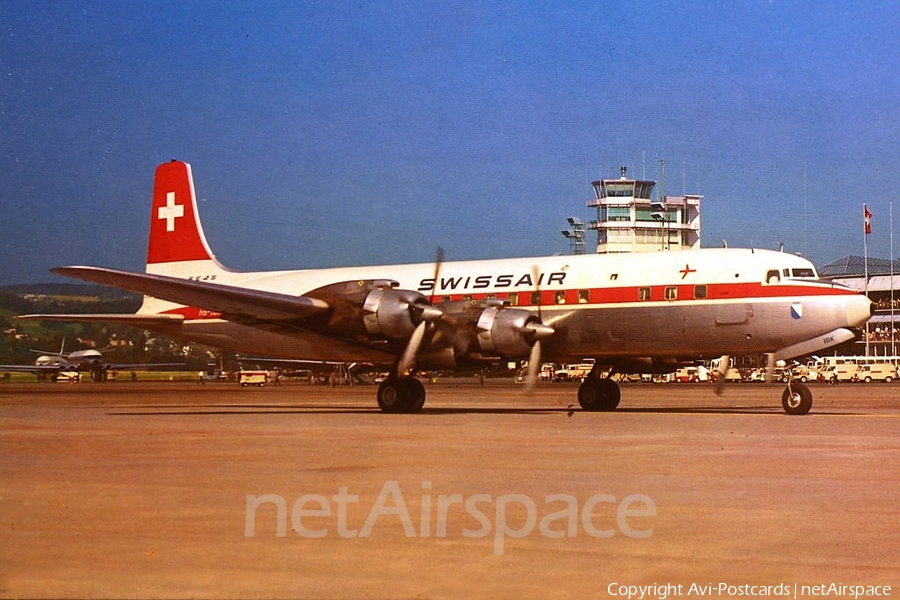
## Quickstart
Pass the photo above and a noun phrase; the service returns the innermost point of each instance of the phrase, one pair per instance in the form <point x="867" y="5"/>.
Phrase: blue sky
<point x="335" y="133"/>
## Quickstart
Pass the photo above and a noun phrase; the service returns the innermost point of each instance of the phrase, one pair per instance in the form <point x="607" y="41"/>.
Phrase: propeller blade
<point x="408" y="359"/>
<point x="770" y="367"/>
<point x="724" y="363"/>
<point x="538" y="331"/>
<point x="438" y="260"/>
<point x="534" y="365"/>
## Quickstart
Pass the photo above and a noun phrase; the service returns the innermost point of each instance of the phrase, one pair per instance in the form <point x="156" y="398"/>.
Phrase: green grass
<point x="121" y="376"/>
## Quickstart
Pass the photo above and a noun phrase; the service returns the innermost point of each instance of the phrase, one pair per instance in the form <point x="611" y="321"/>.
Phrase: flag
<point x="867" y="220"/>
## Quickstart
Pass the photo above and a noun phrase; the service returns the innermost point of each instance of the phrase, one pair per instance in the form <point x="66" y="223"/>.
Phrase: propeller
<point x="408" y="358"/>
<point x="439" y="259"/>
<point x="770" y="367"/>
<point x="427" y="312"/>
<point x="534" y="364"/>
<point x="538" y="330"/>
<point x="724" y="363"/>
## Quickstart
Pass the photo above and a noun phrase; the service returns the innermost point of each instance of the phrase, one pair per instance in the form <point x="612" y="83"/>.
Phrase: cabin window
<point x="559" y="297"/>
<point x="535" y="297"/>
<point x="584" y="296"/>
<point x="773" y="276"/>
<point x="699" y="291"/>
<point x="644" y="294"/>
<point x="513" y="299"/>
<point x="671" y="292"/>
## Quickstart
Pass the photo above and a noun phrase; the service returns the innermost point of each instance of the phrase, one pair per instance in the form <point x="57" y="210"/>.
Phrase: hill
<point x="72" y="290"/>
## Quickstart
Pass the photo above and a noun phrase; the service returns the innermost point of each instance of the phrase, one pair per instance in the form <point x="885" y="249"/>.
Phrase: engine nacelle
<point x="393" y="313"/>
<point x="505" y="331"/>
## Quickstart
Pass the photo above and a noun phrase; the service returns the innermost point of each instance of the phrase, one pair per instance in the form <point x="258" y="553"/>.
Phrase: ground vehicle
<point x="686" y="374"/>
<point x="877" y="372"/>
<point x="259" y="378"/>
<point x="732" y="375"/>
<point x="848" y="368"/>
<point x="547" y="371"/>
<point x="573" y="372"/>
<point x="68" y="377"/>
<point x="804" y="373"/>
<point x="842" y="372"/>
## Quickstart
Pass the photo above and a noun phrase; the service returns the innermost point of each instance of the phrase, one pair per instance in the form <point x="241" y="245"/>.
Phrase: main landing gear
<point x="401" y="395"/>
<point x="599" y="393"/>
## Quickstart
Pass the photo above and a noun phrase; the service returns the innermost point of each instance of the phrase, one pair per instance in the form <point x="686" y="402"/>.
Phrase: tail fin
<point x="177" y="245"/>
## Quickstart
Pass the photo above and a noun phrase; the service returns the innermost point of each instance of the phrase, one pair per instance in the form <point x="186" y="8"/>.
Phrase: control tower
<point x="630" y="220"/>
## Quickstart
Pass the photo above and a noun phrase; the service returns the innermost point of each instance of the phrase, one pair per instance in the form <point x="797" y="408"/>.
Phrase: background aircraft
<point x="89" y="359"/>
<point x="631" y="312"/>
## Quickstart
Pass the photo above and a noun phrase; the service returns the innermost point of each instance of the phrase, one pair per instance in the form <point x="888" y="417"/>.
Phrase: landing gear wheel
<point x="401" y="395"/>
<point x="597" y="394"/>
<point x="417" y="395"/>
<point x="796" y="399"/>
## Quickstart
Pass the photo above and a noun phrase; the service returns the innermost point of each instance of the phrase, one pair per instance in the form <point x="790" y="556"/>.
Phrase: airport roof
<point x="851" y="265"/>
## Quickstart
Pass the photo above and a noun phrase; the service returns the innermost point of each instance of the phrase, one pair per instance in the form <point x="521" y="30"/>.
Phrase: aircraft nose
<point x="859" y="310"/>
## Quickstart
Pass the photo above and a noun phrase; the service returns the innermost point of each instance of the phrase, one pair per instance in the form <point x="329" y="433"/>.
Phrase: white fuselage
<point x="684" y="304"/>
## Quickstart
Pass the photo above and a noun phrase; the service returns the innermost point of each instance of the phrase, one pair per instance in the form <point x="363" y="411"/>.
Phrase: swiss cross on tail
<point x="175" y="231"/>
<point x="170" y="211"/>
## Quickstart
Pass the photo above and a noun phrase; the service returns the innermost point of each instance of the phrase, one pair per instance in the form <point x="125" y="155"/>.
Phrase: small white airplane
<point x="89" y="359"/>
<point x="634" y="313"/>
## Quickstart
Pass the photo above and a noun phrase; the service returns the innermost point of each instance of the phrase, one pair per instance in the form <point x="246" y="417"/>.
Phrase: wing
<point x="144" y="366"/>
<point x="233" y="303"/>
<point x="34" y="368"/>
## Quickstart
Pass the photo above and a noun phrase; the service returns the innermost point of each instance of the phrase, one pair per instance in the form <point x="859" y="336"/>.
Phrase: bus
<point x="850" y="368"/>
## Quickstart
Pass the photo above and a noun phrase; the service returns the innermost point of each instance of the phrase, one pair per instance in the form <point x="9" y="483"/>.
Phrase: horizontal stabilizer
<point x="137" y="320"/>
<point x="233" y="303"/>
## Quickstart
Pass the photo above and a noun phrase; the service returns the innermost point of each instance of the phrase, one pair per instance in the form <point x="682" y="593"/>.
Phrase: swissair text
<point x="480" y="282"/>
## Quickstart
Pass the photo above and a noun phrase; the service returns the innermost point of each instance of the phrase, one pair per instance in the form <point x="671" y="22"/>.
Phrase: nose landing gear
<point x="796" y="398"/>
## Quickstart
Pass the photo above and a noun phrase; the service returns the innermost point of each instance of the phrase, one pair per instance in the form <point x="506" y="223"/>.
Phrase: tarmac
<point x="176" y="490"/>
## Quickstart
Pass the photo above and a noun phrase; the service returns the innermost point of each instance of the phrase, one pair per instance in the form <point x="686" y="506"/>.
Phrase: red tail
<point x="175" y="231"/>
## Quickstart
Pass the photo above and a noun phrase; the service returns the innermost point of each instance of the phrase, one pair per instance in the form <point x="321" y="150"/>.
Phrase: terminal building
<point x="630" y="220"/>
<point x="882" y="335"/>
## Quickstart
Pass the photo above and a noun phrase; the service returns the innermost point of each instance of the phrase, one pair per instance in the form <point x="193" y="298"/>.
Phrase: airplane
<point x="631" y="312"/>
<point x="89" y="359"/>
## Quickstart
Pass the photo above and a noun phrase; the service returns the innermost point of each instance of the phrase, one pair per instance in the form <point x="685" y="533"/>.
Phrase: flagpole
<point x="893" y="328"/>
<point x="866" y="229"/>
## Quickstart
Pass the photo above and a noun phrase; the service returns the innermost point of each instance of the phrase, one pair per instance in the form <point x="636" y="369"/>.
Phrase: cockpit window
<point x="775" y="276"/>
<point x="803" y="273"/>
